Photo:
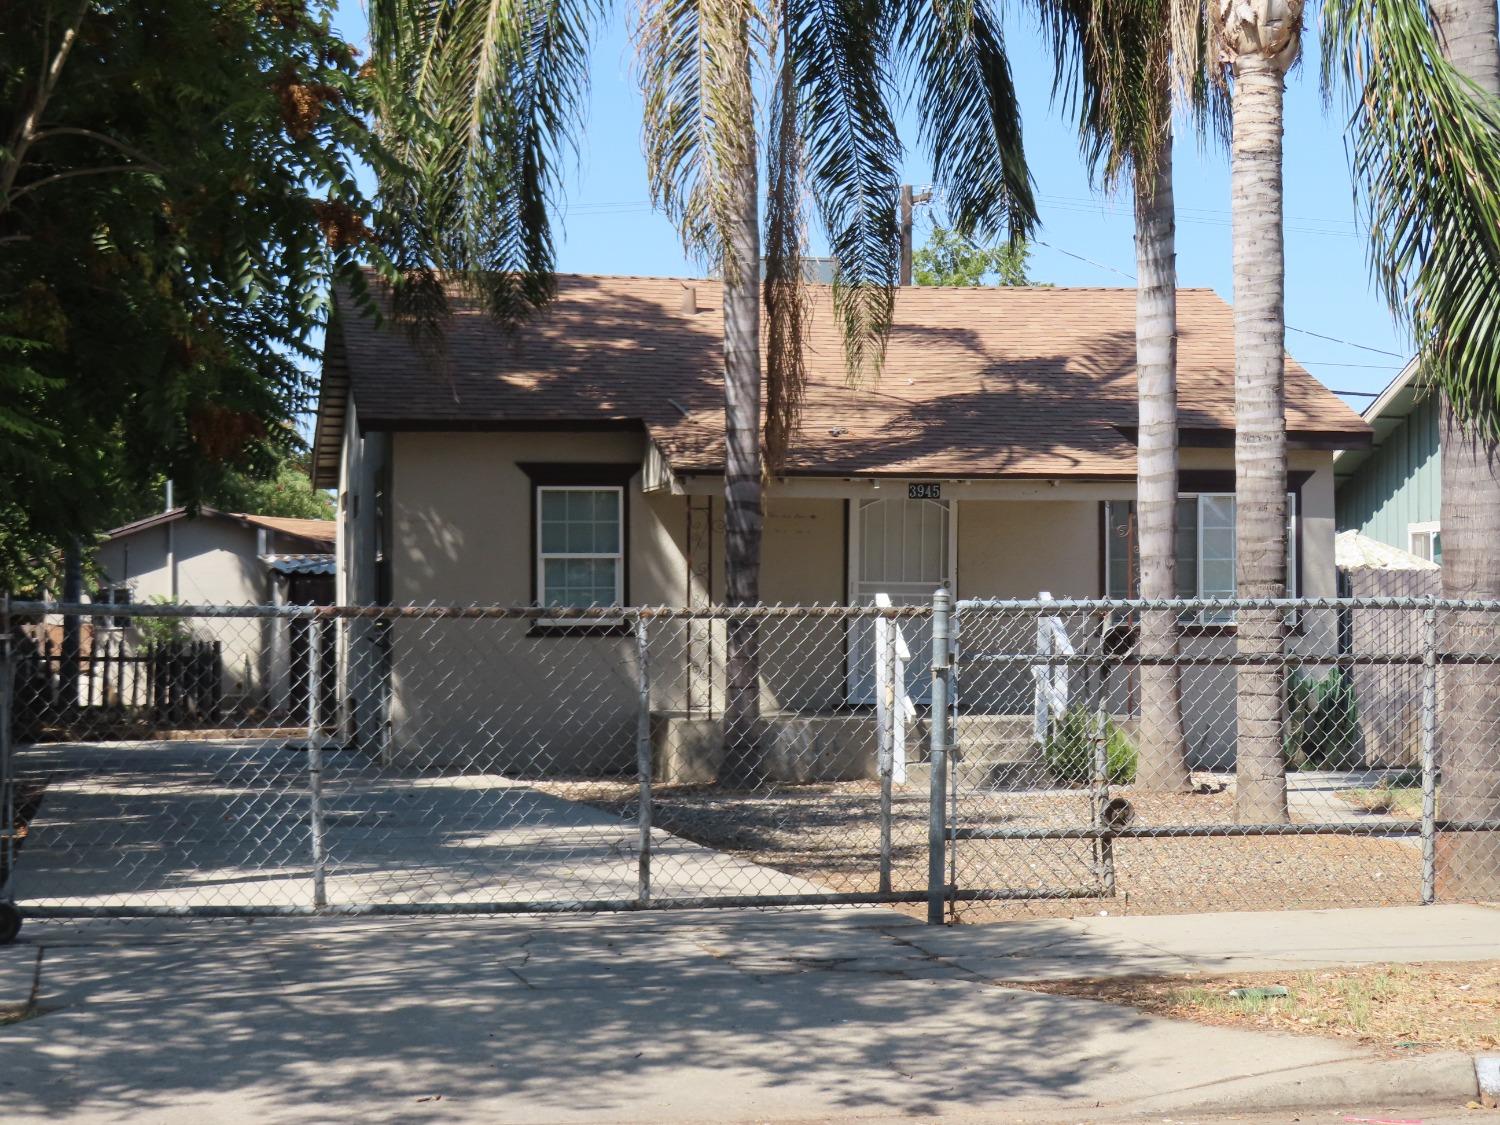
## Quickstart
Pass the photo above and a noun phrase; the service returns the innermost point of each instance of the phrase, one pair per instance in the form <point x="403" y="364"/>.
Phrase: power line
<point x="1348" y="343"/>
<point x="1289" y="327"/>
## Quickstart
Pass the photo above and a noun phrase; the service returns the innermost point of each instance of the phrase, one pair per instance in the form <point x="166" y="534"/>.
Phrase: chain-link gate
<point x="1202" y="755"/>
<point x="299" y="760"/>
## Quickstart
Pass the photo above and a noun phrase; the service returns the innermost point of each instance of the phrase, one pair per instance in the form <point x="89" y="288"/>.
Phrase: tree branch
<point x="102" y="138"/>
<point x="45" y="180"/>
<point x="26" y="132"/>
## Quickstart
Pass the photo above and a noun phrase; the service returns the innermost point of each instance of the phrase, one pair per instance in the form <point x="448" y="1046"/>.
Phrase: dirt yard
<point x="829" y="833"/>
<point x="1402" y="1008"/>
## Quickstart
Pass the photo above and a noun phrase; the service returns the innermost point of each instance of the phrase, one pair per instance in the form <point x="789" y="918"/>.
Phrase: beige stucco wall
<point x="216" y="563"/>
<point x="1016" y="549"/>
<point x="486" y="692"/>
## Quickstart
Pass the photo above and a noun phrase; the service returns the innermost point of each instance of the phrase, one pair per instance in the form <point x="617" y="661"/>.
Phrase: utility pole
<point x="909" y="199"/>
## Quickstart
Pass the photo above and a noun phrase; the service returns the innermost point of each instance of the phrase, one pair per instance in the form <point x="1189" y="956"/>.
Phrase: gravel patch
<point x="829" y="833"/>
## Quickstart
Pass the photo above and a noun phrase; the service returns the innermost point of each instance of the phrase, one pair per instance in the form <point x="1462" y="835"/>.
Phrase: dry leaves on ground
<point x="1431" y="1006"/>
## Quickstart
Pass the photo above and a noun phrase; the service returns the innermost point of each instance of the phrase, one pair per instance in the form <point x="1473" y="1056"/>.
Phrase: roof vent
<point x="690" y="299"/>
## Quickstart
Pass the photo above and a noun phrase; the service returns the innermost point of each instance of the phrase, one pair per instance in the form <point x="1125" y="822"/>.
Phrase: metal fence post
<point x="885" y="727"/>
<point x="937" y="819"/>
<point x="1429" y="756"/>
<point x="1104" y="846"/>
<point x="315" y="760"/>
<point x="8" y="825"/>
<point x="643" y="760"/>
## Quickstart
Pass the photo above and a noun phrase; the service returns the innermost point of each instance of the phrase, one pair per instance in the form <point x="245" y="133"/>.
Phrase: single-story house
<point x="225" y="558"/>
<point x="578" y="460"/>
<point x="1391" y="488"/>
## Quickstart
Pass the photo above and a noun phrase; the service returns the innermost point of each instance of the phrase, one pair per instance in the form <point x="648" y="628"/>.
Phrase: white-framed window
<point x="580" y="545"/>
<point x="1205" y="550"/>
<point x="1425" y="541"/>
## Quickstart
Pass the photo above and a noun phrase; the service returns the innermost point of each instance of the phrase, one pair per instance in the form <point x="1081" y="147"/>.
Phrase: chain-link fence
<point x="981" y="760"/>
<point x="1224" y="755"/>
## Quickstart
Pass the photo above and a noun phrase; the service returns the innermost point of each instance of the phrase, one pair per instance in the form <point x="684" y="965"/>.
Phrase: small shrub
<point x="161" y="632"/>
<point x="1069" y="749"/>
<point x="1322" y="721"/>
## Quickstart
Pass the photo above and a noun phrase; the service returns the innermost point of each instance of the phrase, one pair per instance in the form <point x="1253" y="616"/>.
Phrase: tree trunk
<point x="1163" y="747"/>
<point x="1469" y="723"/>
<point x="743" y="514"/>
<point x="1260" y="433"/>
<point x="70" y="667"/>
<point x="1469" y="727"/>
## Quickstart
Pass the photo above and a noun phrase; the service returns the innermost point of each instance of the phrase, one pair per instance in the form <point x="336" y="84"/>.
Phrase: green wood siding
<point x="1399" y="484"/>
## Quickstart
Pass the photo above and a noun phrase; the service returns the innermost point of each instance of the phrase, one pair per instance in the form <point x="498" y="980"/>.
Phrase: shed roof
<point x="978" y="382"/>
<point x="314" y="531"/>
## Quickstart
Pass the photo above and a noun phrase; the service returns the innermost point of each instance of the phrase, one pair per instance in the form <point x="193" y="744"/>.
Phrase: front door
<point x="904" y="548"/>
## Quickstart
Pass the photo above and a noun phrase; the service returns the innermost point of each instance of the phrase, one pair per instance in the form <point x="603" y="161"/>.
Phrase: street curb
<point x="1447" y="1076"/>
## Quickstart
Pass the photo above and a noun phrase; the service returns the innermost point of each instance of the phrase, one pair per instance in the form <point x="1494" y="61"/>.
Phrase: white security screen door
<point x="904" y="548"/>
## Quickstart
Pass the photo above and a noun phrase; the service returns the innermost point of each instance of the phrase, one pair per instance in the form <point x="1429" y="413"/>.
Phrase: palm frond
<point x="969" y="114"/>
<point x="839" y="60"/>
<point x="786" y="301"/>
<point x="478" y="101"/>
<point x="1426" y="159"/>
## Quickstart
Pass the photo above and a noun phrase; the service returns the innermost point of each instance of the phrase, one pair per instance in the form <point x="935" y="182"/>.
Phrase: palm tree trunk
<point x="743" y="514"/>
<point x="1260" y="432"/>
<point x="1469" y="863"/>
<point x="1163" y="747"/>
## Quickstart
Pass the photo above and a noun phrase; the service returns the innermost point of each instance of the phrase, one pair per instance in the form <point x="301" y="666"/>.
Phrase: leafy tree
<point x="1115" y="58"/>
<point x="288" y="492"/>
<point x="177" y="189"/>
<point x="949" y="259"/>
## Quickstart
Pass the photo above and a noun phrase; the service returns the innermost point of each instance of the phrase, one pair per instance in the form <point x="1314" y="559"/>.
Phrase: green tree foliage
<point x="177" y="190"/>
<point x="289" y="492"/>
<point x="951" y="259"/>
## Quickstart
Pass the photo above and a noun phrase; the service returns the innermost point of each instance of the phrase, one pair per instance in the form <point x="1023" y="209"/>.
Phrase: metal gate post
<point x="1429" y="756"/>
<point x="937" y="813"/>
<point x="643" y="759"/>
<point x="315" y="759"/>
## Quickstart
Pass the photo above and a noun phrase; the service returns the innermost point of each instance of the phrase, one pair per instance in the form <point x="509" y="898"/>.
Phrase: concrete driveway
<point x="226" y="823"/>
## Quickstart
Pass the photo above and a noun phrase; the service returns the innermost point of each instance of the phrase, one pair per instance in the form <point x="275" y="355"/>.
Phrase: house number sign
<point x="927" y="491"/>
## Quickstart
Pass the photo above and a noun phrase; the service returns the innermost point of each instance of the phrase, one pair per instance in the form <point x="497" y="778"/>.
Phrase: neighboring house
<point x="579" y="461"/>
<point x="1391" y="489"/>
<point x="225" y="558"/>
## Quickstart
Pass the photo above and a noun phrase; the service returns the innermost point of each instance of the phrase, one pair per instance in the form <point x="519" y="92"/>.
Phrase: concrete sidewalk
<point x="795" y="1016"/>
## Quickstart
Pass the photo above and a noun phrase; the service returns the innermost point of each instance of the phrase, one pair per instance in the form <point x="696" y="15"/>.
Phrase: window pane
<point x="1187" y="547"/>
<point x="607" y="522"/>
<point x="1123" y="568"/>
<point x="1436" y="553"/>
<point x="580" y="582"/>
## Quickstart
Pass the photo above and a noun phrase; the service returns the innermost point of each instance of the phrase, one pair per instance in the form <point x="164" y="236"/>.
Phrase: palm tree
<point x="479" y="99"/>
<point x="1116" y="57"/>
<point x="828" y="70"/>
<point x="1260" y="42"/>
<point x="1424" y="87"/>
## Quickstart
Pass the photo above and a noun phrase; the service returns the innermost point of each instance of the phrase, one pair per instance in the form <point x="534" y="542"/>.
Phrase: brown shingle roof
<point x="315" y="531"/>
<point x="977" y="382"/>
<point x="319" y="531"/>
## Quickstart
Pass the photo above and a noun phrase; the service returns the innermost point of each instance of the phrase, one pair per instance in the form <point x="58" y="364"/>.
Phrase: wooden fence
<point x="174" y="684"/>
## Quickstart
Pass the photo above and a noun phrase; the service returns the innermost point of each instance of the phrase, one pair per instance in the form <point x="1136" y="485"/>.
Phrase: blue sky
<point x="608" y="225"/>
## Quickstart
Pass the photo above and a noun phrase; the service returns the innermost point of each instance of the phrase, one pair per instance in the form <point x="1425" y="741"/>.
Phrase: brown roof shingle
<point x="977" y="382"/>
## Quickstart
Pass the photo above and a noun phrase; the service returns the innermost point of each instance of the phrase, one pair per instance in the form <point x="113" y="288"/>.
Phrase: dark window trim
<point x="601" y="474"/>
<point x="1193" y="481"/>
